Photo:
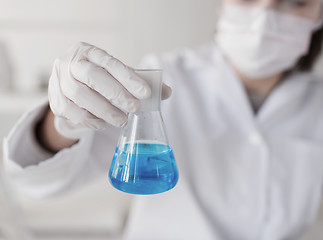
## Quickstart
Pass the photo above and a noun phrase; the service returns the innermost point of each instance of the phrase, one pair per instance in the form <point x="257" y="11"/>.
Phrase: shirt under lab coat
<point x="242" y="176"/>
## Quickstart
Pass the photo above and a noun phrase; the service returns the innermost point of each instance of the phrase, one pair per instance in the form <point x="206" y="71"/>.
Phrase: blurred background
<point x="32" y="34"/>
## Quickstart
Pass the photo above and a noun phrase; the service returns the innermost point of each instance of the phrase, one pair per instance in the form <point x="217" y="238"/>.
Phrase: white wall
<point x="37" y="31"/>
<point x="34" y="32"/>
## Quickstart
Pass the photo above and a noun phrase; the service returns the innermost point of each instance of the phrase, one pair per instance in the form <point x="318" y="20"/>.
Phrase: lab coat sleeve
<point x="42" y="174"/>
<point x="37" y="172"/>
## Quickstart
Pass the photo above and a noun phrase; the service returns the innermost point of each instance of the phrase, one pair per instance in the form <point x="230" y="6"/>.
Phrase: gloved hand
<point x="89" y="89"/>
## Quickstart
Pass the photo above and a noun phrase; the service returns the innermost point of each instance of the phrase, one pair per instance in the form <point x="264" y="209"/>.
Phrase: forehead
<point x="274" y="1"/>
<point x="312" y="2"/>
<point x="311" y="9"/>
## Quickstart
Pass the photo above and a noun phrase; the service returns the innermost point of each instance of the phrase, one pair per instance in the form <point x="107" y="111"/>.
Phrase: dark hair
<point x="307" y="62"/>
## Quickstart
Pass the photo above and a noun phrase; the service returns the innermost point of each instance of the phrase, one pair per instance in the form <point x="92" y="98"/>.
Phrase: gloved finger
<point x="79" y="116"/>
<point x="166" y="91"/>
<point x="124" y="74"/>
<point x="63" y="107"/>
<point x="101" y="81"/>
<point x="92" y="101"/>
<point x="69" y="129"/>
<point x="95" y="77"/>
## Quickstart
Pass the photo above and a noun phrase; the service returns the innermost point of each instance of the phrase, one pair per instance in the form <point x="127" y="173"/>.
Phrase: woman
<point x="245" y="122"/>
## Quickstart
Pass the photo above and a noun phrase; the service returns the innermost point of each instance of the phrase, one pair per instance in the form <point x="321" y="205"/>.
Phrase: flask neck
<point x="154" y="80"/>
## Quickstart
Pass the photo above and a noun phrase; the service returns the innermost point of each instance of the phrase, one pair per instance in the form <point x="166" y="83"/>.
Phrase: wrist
<point x="48" y="137"/>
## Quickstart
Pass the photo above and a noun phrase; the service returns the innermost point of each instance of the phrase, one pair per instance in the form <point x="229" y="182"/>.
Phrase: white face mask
<point x="262" y="42"/>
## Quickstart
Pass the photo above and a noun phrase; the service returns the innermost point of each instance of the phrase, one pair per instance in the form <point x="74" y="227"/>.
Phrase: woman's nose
<point x="268" y="3"/>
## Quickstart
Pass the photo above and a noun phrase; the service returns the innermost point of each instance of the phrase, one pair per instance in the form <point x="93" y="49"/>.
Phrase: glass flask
<point x="143" y="162"/>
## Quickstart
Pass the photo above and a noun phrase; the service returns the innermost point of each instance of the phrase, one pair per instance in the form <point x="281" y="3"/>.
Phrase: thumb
<point x="166" y="92"/>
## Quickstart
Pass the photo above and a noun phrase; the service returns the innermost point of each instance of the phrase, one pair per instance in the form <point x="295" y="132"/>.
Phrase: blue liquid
<point x="143" y="168"/>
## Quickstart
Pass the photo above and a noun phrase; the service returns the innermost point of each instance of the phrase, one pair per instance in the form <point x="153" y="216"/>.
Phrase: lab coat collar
<point x="279" y="102"/>
<point x="224" y="84"/>
<point x="284" y="98"/>
<point x="231" y="92"/>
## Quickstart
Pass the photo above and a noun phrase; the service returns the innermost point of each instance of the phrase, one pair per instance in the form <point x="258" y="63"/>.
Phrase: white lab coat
<point x="242" y="176"/>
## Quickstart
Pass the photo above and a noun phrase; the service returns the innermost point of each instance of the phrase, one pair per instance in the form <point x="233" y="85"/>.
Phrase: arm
<point x="36" y="172"/>
<point x="84" y="97"/>
<point x="79" y="95"/>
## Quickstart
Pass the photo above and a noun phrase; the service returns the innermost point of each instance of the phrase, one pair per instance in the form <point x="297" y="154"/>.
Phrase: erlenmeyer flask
<point x="143" y="162"/>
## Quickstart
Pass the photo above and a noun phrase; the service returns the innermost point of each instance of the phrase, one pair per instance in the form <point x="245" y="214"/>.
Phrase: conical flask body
<point x="143" y="162"/>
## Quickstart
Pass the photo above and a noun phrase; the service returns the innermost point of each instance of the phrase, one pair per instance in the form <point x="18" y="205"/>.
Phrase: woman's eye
<point x="297" y="3"/>
<point x="300" y="3"/>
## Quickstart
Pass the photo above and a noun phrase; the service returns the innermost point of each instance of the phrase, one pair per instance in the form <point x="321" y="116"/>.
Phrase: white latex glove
<point x="89" y="89"/>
